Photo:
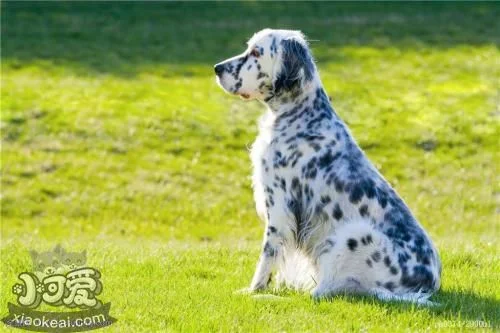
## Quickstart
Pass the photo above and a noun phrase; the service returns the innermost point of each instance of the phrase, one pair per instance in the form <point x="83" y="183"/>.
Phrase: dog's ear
<point x="297" y="66"/>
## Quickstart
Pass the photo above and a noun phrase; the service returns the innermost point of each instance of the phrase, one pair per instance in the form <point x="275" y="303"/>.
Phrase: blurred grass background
<point x="116" y="138"/>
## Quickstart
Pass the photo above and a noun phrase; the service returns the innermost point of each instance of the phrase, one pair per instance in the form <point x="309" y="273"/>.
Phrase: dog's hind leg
<point x="350" y="260"/>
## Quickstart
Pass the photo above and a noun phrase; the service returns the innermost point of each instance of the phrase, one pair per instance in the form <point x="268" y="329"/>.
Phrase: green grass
<point x="116" y="139"/>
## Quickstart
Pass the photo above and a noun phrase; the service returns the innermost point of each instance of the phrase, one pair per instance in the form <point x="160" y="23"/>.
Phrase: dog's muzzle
<point x="219" y="69"/>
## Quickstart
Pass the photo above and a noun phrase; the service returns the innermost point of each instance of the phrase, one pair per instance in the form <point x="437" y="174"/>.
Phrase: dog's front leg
<point x="271" y="251"/>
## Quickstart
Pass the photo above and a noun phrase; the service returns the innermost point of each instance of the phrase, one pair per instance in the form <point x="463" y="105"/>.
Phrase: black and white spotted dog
<point x="332" y="221"/>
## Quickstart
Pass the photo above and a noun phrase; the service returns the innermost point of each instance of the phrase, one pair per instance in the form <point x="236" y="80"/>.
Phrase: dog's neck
<point x="287" y="100"/>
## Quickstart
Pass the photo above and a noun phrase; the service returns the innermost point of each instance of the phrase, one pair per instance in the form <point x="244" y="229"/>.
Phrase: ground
<point x="116" y="139"/>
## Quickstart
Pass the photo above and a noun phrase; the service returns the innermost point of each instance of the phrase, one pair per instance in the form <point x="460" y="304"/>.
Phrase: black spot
<point x="325" y="199"/>
<point x="406" y="237"/>
<point x="319" y="119"/>
<point x="261" y="75"/>
<point x="315" y="146"/>
<point x="238" y="85"/>
<point x="296" y="206"/>
<point x="393" y="270"/>
<point x="419" y="241"/>
<point x="389" y="285"/>
<point x="369" y="262"/>
<point x="387" y="261"/>
<point x="269" y="250"/>
<point x="272" y="229"/>
<point x="363" y="210"/>
<point x="309" y="170"/>
<point x="356" y="194"/>
<point x="269" y="190"/>
<point x="241" y="62"/>
<point x="376" y="256"/>
<point x="368" y="186"/>
<point x="271" y="200"/>
<point x="337" y="212"/>
<point x="381" y="197"/>
<point x="422" y="278"/>
<point x="325" y="160"/>
<point x="308" y="191"/>
<point x="339" y="185"/>
<point x="294" y="157"/>
<point x="366" y="240"/>
<point x="273" y="48"/>
<point x="403" y="258"/>
<point x="283" y="184"/>
<point x="352" y="244"/>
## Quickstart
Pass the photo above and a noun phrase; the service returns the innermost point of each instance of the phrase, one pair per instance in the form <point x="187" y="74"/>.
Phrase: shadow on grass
<point x="467" y="305"/>
<point x="458" y="308"/>
<point x="122" y="38"/>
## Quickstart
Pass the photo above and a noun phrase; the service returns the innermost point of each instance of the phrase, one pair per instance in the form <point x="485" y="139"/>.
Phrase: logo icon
<point x="59" y="279"/>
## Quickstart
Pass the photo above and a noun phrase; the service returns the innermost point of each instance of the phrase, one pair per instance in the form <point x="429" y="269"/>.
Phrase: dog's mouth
<point x="220" y="83"/>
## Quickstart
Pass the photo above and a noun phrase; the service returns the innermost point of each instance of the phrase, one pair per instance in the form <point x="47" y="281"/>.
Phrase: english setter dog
<point x="333" y="223"/>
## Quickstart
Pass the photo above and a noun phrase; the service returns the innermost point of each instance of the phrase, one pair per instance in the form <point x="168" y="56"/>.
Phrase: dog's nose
<point x="219" y="68"/>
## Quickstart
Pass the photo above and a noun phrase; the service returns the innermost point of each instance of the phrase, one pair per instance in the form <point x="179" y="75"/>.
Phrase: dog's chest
<point x="278" y="153"/>
<point x="322" y="163"/>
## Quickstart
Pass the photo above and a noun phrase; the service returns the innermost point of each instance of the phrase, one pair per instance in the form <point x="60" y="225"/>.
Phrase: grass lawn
<point x="116" y="139"/>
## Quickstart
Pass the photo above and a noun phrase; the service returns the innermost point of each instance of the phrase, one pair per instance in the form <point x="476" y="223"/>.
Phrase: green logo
<point x="59" y="279"/>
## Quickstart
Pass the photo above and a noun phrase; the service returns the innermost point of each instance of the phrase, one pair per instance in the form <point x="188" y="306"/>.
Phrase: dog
<point x="333" y="224"/>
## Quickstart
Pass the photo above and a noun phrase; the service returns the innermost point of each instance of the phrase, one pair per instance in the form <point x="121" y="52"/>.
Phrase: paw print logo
<point x="17" y="289"/>
<point x="40" y="288"/>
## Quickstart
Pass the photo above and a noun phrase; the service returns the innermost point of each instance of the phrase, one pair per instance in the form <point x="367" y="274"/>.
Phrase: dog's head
<point x="275" y="63"/>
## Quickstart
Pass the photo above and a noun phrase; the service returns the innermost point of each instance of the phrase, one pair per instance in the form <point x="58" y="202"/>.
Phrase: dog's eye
<point x="255" y="53"/>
